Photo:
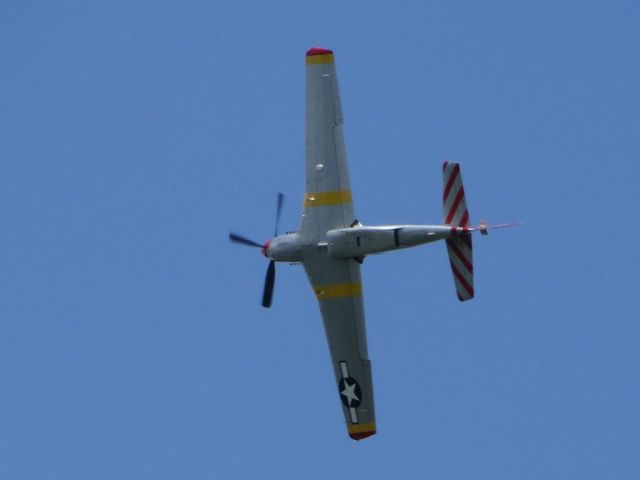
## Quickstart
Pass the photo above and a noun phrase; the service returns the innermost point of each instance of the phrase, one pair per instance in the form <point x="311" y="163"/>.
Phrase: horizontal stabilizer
<point x="459" y="248"/>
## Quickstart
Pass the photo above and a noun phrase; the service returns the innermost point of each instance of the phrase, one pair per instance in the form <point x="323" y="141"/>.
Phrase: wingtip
<point x="361" y="431"/>
<point x="360" y="436"/>
<point x="318" y="51"/>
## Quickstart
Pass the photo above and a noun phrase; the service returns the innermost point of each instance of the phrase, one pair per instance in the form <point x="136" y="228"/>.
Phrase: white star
<point x="349" y="393"/>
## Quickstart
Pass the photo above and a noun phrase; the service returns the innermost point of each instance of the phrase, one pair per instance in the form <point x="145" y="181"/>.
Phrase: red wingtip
<point x="318" y="51"/>
<point x="360" y="435"/>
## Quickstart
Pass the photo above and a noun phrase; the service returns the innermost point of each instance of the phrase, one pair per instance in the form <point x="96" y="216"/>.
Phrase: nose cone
<point x="265" y="248"/>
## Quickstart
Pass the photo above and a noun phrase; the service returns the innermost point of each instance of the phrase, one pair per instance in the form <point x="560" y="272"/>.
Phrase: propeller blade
<point x="279" y="211"/>
<point x="269" y="281"/>
<point x="234" y="237"/>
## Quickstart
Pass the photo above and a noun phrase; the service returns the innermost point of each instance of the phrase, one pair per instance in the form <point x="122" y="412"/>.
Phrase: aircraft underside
<point x="331" y="244"/>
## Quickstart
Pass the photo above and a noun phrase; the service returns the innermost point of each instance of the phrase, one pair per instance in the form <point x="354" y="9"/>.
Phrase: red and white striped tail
<point x="460" y="253"/>
<point x="455" y="206"/>
<point x="459" y="245"/>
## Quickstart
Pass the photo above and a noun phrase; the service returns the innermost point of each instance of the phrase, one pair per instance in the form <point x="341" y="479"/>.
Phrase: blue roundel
<point x="350" y="392"/>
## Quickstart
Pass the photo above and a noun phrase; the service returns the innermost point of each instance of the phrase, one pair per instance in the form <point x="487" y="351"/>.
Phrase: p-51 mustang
<point x="331" y="243"/>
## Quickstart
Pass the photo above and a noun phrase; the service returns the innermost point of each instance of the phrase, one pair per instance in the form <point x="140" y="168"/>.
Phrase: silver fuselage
<point x="360" y="241"/>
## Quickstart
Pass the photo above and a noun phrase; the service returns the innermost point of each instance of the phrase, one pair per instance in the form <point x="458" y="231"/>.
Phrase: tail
<point x="459" y="245"/>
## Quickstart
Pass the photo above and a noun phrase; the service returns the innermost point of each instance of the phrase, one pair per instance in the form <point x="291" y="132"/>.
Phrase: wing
<point x="338" y="288"/>
<point x="327" y="200"/>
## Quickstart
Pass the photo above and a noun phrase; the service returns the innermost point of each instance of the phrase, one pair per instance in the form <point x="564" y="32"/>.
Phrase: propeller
<point x="234" y="237"/>
<point x="270" y="279"/>
<point x="279" y="203"/>
<point x="269" y="282"/>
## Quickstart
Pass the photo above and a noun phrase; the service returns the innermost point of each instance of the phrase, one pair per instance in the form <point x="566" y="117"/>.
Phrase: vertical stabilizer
<point x="459" y="245"/>
<point x="455" y="205"/>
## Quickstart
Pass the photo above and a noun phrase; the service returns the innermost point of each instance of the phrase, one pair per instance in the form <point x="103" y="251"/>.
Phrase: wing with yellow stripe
<point x="337" y="285"/>
<point x="327" y="201"/>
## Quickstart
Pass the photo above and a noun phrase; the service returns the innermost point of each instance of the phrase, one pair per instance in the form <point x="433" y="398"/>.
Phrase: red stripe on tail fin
<point x="459" y="246"/>
<point x="459" y="249"/>
<point x="453" y="198"/>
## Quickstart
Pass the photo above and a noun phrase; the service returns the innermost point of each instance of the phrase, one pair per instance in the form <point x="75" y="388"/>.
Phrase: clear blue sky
<point x="135" y="134"/>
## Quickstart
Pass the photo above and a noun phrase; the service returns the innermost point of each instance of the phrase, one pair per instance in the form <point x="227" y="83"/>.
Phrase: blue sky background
<point x="135" y="134"/>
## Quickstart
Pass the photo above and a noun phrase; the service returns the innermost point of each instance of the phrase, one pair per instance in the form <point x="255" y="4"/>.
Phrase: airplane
<point x="331" y="244"/>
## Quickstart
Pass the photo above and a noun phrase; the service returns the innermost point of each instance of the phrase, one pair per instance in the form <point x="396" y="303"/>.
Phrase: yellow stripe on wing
<point x="320" y="59"/>
<point x="360" y="431"/>
<point x="320" y="199"/>
<point x="362" y="427"/>
<point x="338" y="290"/>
